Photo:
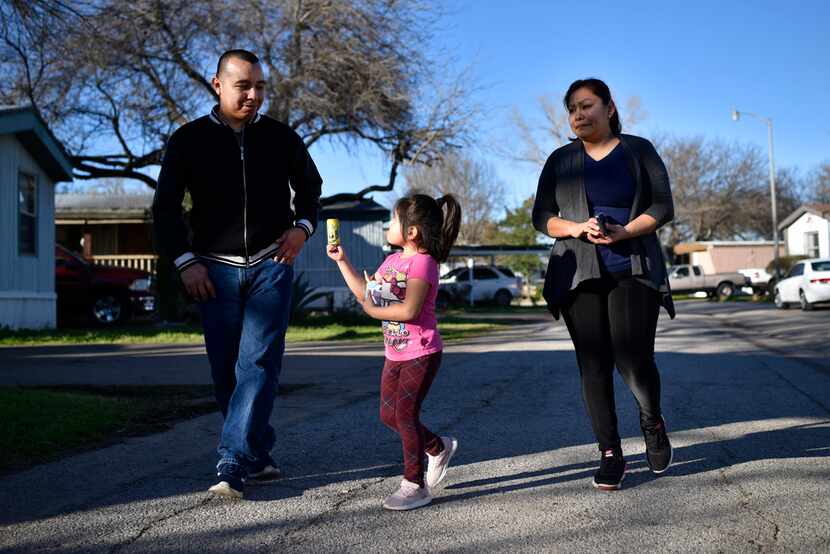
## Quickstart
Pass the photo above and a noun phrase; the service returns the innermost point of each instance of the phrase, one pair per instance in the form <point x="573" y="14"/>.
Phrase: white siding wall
<point x="805" y="224"/>
<point x="27" y="283"/>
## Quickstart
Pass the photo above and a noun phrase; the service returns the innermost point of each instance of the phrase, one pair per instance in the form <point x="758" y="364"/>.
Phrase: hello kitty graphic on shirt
<point x="411" y="339"/>
<point x="387" y="288"/>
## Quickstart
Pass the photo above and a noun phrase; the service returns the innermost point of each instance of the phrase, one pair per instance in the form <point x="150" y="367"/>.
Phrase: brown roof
<point x="103" y="206"/>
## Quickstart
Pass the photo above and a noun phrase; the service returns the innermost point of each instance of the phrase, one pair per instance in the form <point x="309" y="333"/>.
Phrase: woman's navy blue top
<point x="610" y="189"/>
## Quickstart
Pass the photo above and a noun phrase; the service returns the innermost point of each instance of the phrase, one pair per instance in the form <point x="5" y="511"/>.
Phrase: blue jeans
<point x="244" y="330"/>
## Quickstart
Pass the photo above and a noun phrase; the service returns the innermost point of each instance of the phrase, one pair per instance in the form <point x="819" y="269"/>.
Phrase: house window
<point x="811" y="244"/>
<point x="27" y="214"/>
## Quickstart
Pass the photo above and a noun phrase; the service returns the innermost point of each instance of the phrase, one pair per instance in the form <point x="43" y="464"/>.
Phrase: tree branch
<point x="92" y="172"/>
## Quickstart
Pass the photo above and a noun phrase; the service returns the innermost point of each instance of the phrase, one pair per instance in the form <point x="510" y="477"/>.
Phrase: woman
<point x="602" y="197"/>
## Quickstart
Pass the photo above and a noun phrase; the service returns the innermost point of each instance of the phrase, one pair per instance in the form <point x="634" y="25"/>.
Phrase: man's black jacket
<point x="239" y="186"/>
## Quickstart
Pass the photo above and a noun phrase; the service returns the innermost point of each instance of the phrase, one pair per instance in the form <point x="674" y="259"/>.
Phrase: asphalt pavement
<point x="746" y="397"/>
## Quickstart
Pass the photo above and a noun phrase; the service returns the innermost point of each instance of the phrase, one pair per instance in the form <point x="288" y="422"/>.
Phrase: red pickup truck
<point x="102" y="294"/>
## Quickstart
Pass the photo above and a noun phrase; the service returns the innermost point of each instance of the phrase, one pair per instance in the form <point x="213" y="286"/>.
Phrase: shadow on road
<point x="689" y="460"/>
<point x="501" y="404"/>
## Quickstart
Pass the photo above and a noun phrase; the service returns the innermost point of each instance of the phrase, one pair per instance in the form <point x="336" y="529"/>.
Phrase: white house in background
<point x="31" y="162"/>
<point x="807" y="231"/>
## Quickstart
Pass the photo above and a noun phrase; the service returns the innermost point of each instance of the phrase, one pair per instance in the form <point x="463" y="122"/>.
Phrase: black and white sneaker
<point x="228" y="486"/>
<point x="659" y="452"/>
<point x="611" y="470"/>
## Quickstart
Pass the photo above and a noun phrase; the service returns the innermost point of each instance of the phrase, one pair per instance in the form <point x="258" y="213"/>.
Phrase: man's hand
<point x="290" y="244"/>
<point x="197" y="283"/>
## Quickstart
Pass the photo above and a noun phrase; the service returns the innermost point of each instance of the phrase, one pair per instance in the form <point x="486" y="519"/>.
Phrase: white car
<point x="490" y="284"/>
<point x="807" y="283"/>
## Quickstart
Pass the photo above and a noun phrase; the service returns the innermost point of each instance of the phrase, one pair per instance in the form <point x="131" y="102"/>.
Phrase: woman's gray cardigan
<point x="561" y="193"/>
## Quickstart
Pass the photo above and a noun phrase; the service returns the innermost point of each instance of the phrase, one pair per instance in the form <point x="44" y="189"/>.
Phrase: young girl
<point x="402" y="294"/>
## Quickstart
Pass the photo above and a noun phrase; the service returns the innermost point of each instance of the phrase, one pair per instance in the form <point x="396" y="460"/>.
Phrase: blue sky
<point x="689" y="62"/>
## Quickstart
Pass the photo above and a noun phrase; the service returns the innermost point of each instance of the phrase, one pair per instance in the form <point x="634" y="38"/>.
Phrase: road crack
<point x="157" y="521"/>
<point x="347" y="496"/>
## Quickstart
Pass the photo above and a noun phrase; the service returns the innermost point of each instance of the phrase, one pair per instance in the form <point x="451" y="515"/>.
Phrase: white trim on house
<point x="820" y="210"/>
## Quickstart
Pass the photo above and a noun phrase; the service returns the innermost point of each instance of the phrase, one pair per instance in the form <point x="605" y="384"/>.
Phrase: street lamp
<point x="736" y="116"/>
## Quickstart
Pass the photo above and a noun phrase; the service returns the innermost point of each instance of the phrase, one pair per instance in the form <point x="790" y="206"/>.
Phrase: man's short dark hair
<point x="249" y="57"/>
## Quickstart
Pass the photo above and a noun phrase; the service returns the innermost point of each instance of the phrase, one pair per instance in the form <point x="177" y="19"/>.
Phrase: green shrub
<point x="302" y="294"/>
<point x="785" y="263"/>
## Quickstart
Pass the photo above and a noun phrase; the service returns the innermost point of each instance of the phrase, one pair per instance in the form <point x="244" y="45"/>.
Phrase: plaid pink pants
<point x="403" y="387"/>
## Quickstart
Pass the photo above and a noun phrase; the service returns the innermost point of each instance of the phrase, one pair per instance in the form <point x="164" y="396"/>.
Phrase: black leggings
<point x="613" y="322"/>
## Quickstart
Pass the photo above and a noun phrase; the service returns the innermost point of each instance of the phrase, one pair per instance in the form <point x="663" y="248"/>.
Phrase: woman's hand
<point x="585" y="229"/>
<point x="336" y="252"/>
<point x="616" y="233"/>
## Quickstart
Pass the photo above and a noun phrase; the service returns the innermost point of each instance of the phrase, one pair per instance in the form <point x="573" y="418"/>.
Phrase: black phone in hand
<point x="602" y="223"/>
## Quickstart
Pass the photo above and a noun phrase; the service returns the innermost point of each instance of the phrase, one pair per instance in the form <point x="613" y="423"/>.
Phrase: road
<point x="746" y="396"/>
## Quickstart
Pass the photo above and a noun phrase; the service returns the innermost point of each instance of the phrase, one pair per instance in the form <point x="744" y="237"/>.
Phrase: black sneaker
<point x="659" y="452"/>
<point x="611" y="470"/>
<point x="264" y="472"/>
<point x="228" y="486"/>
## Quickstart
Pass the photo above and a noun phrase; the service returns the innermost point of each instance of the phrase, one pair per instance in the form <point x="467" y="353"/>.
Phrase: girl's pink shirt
<point x="409" y="339"/>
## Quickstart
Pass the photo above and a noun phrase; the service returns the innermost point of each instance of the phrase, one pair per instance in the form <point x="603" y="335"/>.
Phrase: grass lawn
<point x="40" y="424"/>
<point x="311" y="328"/>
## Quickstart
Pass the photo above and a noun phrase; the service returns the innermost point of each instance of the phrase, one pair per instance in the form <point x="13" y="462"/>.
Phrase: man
<point x="236" y="261"/>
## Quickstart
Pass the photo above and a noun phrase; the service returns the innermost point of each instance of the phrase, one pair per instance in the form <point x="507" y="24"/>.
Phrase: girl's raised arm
<point x="355" y="281"/>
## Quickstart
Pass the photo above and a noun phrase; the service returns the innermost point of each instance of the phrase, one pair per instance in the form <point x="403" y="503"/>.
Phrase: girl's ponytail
<point x="450" y="225"/>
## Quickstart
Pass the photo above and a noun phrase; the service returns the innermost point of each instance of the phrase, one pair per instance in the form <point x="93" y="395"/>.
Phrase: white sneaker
<point x="408" y="497"/>
<point x="437" y="465"/>
<point x="223" y="488"/>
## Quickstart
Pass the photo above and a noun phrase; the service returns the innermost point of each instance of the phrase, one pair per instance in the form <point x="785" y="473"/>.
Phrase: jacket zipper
<point x="244" y="197"/>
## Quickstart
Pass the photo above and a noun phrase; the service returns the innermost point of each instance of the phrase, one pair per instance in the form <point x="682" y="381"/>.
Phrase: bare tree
<point x="538" y="139"/>
<point x="37" y="9"/>
<point x="475" y="185"/>
<point x="30" y="43"/>
<point x="348" y="70"/>
<point x="818" y="186"/>
<point x="721" y="191"/>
